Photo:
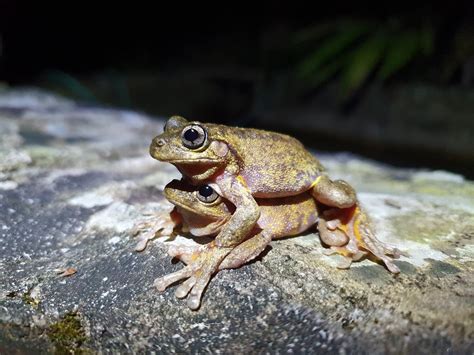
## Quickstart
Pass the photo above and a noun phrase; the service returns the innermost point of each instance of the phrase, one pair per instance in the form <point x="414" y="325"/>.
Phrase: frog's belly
<point x="287" y="216"/>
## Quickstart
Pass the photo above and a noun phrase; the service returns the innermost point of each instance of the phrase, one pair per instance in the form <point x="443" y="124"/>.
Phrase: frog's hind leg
<point x="246" y="251"/>
<point x="336" y="193"/>
<point x="355" y="225"/>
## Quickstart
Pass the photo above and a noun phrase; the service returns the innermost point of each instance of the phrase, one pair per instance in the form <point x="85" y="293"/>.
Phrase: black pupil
<point x="191" y="135"/>
<point x="205" y="191"/>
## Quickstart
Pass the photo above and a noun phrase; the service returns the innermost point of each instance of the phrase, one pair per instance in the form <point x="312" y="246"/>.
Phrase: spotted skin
<point x="247" y="164"/>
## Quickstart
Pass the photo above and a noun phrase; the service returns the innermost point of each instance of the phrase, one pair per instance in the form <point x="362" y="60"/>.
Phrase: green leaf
<point x="330" y="48"/>
<point x="363" y="61"/>
<point x="426" y="39"/>
<point x="327" y="71"/>
<point x="402" y="48"/>
<point x="71" y="84"/>
<point x="313" y="33"/>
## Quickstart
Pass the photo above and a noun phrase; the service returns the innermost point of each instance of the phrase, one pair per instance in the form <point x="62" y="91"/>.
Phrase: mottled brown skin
<point x="279" y="217"/>
<point x="244" y="164"/>
<point x="247" y="164"/>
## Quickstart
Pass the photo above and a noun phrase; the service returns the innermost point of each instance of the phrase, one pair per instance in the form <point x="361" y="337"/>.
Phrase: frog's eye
<point x="193" y="136"/>
<point x="207" y="194"/>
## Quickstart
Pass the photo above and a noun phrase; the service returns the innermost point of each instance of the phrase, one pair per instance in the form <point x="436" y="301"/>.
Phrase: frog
<point x="245" y="163"/>
<point x="203" y="211"/>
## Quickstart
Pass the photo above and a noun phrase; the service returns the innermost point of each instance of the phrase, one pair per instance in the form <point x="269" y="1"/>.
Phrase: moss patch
<point x="441" y="269"/>
<point x="68" y="335"/>
<point x="30" y="300"/>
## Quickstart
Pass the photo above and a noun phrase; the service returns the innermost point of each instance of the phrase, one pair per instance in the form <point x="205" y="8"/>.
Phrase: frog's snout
<point x="159" y="142"/>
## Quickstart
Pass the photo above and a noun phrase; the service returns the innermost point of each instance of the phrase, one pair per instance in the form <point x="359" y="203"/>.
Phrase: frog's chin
<point x="200" y="225"/>
<point x="197" y="172"/>
<point x="212" y="228"/>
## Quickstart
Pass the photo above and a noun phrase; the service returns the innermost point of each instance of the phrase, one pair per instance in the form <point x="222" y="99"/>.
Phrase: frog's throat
<point x="211" y="228"/>
<point x="201" y="213"/>
<point x="198" y="172"/>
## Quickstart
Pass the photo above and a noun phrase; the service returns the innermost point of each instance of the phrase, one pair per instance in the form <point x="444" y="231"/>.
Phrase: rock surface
<point x="73" y="182"/>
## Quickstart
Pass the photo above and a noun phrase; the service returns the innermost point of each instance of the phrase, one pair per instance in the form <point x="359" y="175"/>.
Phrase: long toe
<point x="183" y="290"/>
<point x="391" y="266"/>
<point x="179" y="250"/>
<point x="142" y="243"/>
<point x="194" y="299"/>
<point x="345" y="263"/>
<point x="163" y="282"/>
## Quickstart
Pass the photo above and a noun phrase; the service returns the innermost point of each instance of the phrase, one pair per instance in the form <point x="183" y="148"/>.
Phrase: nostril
<point x="160" y="142"/>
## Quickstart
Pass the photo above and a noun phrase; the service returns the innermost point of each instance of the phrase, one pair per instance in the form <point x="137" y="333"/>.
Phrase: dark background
<point x="246" y="66"/>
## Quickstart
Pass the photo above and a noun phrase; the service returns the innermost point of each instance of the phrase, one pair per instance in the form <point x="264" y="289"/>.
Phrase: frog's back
<point x="273" y="164"/>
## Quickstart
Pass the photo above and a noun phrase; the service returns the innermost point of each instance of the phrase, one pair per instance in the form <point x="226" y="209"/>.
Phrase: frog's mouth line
<point x="201" y="214"/>
<point x="193" y="161"/>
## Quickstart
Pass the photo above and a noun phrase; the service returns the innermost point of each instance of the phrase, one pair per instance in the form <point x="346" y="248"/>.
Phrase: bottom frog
<point x="202" y="212"/>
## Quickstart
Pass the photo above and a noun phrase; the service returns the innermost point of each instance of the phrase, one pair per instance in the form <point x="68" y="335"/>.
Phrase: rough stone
<point x="74" y="180"/>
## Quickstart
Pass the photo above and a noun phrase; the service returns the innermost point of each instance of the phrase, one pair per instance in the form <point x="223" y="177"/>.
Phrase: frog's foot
<point x="347" y="254"/>
<point x="354" y="224"/>
<point x="345" y="263"/>
<point x="202" y="264"/>
<point x="149" y="230"/>
<point x="161" y="224"/>
<point x="329" y="233"/>
<point x="185" y="253"/>
<point x="394" y="252"/>
<point x="359" y="229"/>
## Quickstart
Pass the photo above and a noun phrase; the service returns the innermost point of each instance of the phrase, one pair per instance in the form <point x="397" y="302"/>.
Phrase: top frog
<point x="246" y="163"/>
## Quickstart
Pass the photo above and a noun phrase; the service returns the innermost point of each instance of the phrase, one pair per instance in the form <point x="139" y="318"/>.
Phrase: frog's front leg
<point x="246" y="214"/>
<point x="161" y="224"/>
<point x="246" y="251"/>
<point x="204" y="261"/>
<point x="336" y="193"/>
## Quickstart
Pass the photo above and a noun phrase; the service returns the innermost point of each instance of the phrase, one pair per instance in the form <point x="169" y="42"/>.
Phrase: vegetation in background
<point x="356" y="52"/>
<point x="273" y="64"/>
